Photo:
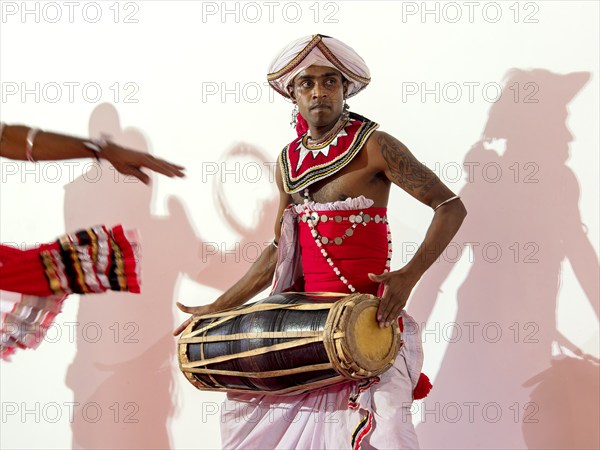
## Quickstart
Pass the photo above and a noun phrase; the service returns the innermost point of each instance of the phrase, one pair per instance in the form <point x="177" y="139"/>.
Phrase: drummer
<point x="331" y="234"/>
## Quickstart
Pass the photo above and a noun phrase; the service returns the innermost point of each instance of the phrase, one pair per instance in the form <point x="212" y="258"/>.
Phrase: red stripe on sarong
<point x="364" y="432"/>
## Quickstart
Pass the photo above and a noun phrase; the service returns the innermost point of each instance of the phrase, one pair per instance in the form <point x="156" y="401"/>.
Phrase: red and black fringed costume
<point x="35" y="282"/>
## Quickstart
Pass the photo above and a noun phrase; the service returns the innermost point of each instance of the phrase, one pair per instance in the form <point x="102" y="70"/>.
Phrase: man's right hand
<point x="130" y="162"/>
<point x="195" y="311"/>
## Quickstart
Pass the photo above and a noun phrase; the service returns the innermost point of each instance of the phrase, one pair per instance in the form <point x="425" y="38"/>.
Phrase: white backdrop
<point x="187" y="81"/>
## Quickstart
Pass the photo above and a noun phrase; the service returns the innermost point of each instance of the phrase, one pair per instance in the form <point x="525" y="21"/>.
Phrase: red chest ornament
<point x="303" y="163"/>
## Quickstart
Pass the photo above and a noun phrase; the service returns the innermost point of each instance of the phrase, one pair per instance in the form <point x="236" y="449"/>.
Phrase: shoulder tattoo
<point x="406" y="171"/>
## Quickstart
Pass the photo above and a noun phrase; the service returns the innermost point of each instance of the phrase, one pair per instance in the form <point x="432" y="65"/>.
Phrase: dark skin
<point x="319" y="93"/>
<point x="53" y="147"/>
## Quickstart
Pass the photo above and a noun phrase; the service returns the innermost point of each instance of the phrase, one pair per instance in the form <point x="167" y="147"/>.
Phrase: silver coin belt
<point x="355" y="219"/>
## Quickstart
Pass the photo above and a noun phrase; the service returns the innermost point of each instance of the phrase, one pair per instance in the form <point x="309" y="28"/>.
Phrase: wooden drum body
<point x="288" y="344"/>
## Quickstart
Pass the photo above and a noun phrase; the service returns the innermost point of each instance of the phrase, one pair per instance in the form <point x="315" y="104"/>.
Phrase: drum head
<point x="372" y="348"/>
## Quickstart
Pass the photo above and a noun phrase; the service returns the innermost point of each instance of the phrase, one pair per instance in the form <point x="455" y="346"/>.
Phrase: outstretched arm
<point x="257" y="279"/>
<point x="403" y="169"/>
<point x="24" y="143"/>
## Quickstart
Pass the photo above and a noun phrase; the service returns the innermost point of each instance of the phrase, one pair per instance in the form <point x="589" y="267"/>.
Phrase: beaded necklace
<point x="317" y="144"/>
<point x="313" y="218"/>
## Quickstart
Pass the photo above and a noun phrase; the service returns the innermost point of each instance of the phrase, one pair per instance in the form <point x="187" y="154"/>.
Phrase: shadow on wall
<point x="125" y="363"/>
<point x="499" y="385"/>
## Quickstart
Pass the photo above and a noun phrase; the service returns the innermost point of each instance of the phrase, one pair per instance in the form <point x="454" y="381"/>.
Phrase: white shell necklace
<point x="313" y="219"/>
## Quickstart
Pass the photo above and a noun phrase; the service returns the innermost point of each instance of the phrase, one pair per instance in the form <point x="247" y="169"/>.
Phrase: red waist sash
<point x="89" y="261"/>
<point x="361" y="251"/>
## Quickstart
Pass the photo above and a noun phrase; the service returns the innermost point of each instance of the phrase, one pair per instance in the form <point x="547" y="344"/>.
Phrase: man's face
<point x="319" y="93"/>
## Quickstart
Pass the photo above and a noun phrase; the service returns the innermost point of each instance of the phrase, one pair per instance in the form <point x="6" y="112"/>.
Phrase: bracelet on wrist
<point x="29" y="141"/>
<point x="97" y="146"/>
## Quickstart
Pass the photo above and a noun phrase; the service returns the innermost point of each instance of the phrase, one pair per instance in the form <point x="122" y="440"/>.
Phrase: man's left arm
<point x="403" y="169"/>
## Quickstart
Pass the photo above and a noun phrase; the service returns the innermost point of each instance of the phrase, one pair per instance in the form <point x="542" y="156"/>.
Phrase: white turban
<point x="318" y="50"/>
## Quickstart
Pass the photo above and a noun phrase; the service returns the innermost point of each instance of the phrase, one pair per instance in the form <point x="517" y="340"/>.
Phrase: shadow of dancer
<point x="122" y="373"/>
<point x="523" y="223"/>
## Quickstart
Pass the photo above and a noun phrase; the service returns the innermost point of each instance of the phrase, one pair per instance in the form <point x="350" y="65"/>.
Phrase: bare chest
<point x="327" y="191"/>
<point x="351" y="181"/>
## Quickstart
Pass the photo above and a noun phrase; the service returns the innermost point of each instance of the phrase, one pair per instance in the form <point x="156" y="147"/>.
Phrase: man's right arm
<point x="258" y="277"/>
<point x="21" y="143"/>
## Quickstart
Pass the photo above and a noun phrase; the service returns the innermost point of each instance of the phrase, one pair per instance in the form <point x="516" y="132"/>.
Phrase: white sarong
<point x="373" y="413"/>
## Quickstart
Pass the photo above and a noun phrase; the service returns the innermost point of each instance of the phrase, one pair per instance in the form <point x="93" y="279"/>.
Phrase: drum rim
<point x="338" y="347"/>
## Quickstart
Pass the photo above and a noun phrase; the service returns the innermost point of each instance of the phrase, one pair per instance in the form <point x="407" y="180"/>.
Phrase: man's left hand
<point x="397" y="287"/>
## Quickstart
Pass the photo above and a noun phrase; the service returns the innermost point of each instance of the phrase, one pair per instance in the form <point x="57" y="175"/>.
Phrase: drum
<point x="288" y="344"/>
